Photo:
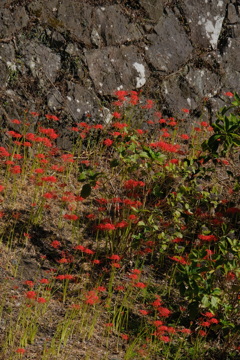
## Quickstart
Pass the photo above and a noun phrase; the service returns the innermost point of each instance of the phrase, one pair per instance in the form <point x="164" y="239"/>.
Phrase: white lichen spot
<point x="77" y="101"/>
<point x="11" y="66"/>
<point x="141" y="79"/>
<point x="69" y="98"/>
<point x="213" y="31"/>
<point x="100" y="84"/>
<point x="189" y="101"/>
<point x="78" y="110"/>
<point x="220" y="3"/>
<point x="120" y="87"/>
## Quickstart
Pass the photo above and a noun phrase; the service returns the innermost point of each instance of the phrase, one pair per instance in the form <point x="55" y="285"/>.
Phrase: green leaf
<point x="86" y="191"/>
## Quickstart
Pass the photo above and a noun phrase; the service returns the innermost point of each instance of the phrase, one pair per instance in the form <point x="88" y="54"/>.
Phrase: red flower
<point x="207" y="237"/>
<point x="140" y="285"/>
<point x="20" y="351"/>
<point x="164" y="312"/>
<point x="229" y="94"/>
<point x="55" y="244"/>
<point x="187" y="111"/>
<point x="125" y="336"/>
<point x="41" y="300"/>
<point x="108" y="142"/>
<point x="144" y="312"/>
<point x="31" y="294"/>
<point x="29" y="283"/>
<point x="44" y="281"/>
<point x="71" y="217"/>
<point x="117" y="115"/>
<point x="114" y="257"/>
<point x="52" y="117"/>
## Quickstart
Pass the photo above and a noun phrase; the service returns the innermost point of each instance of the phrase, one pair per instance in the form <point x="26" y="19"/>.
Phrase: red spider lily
<point x="119" y="125"/>
<point x="121" y="224"/>
<point x="51" y="179"/>
<point x="108" y="142"/>
<point x="208" y="314"/>
<point x="20" y="350"/>
<point x="49" y="131"/>
<point x="163" y="312"/>
<point x="51" y="117"/>
<point x="29" y="283"/>
<point x="92" y="298"/>
<point x="101" y="288"/>
<point x="117" y="115"/>
<point x="50" y="195"/>
<point x="119" y="288"/>
<point x="67" y="158"/>
<point x="2" y="188"/>
<point x="55" y="244"/>
<point x="114" y="257"/>
<point x="71" y="217"/>
<point x="4" y="152"/>
<point x="179" y="259"/>
<point x="214" y="321"/>
<point x="14" y="134"/>
<point x="187" y="111"/>
<point x="109" y="324"/>
<point x="16" y="169"/>
<point x="125" y="336"/>
<point x="165" y="339"/>
<point x="149" y="104"/>
<point x="202" y="333"/>
<point x="207" y="237"/>
<point x="144" y="312"/>
<point x="107" y="226"/>
<point x="44" y="281"/>
<point x="41" y="300"/>
<point x="131" y="184"/>
<point x="98" y="126"/>
<point x="140" y="285"/>
<point x="96" y="261"/>
<point x="121" y="94"/>
<point x="229" y="94"/>
<point x="31" y="294"/>
<point x="204" y="323"/>
<point x="157" y="323"/>
<point x="116" y="265"/>
<point x="185" y="137"/>
<point x="17" y="156"/>
<point x="39" y="171"/>
<point x="165" y="146"/>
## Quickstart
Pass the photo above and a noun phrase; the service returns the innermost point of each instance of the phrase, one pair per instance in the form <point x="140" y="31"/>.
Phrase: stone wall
<point x="67" y="57"/>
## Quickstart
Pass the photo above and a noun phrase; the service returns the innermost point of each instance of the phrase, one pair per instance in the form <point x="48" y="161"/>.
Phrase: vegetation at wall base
<point x="127" y="247"/>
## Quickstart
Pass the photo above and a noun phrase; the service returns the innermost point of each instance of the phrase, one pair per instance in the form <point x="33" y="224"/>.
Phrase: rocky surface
<point x="68" y="57"/>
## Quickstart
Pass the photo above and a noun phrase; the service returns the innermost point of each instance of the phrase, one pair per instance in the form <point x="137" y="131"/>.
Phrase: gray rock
<point x="170" y="47"/>
<point x="113" y="26"/>
<point x="7" y="64"/>
<point x="232" y="14"/>
<point x="12" y="22"/>
<point x="154" y="8"/>
<point x="112" y="68"/>
<point x="205" y="19"/>
<point x="77" y="18"/>
<point x="204" y="82"/>
<point x="80" y="101"/>
<point x="178" y="95"/>
<point x="42" y="61"/>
